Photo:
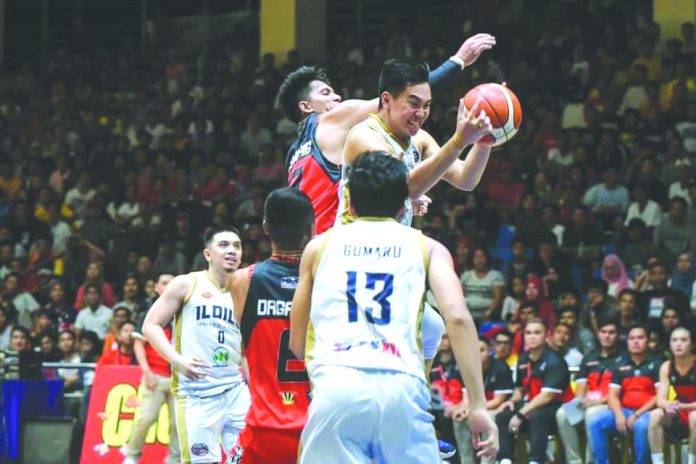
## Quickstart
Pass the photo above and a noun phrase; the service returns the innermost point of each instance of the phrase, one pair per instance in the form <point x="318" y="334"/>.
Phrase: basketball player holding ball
<point x="404" y="106"/>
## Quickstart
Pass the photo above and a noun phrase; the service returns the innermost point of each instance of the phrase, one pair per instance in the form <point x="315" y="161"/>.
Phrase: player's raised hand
<point x="471" y="124"/>
<point x="191" y="367"/>
<point x="420" y="206"/>
<point x="474" y="46"/>
<point x="484" y="434"/>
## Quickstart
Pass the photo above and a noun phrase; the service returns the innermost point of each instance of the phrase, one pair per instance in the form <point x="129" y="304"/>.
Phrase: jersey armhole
<point x="424" y="252"/>
<point x="320" y="251"/>
<point x="193" y="288"/>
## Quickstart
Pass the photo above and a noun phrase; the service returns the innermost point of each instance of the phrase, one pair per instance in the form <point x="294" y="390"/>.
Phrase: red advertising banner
<point x="112" y="413"/>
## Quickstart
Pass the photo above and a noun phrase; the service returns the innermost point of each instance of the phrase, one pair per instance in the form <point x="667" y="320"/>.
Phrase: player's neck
<point x="218" y="276"/>
<point x="638" y="358"/>
<point x="608" y="351"/>
<point x="685" y="360"/>
<point x="288" y="256"/>
<point x="383" y="118"/>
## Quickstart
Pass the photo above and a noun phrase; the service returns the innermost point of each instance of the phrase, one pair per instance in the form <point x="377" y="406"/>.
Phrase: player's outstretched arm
<point x="299" y="316"/>
<point x="471" y="126"/>
<point x="161" y="312"/>
<point x="462" y="333"/>
<point x="350" y="112"/>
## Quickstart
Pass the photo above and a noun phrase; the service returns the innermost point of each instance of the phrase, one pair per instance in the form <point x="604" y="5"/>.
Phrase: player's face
<point x="409" y="110"/>
<point x="224" y="252"/>
<point x="680" y="342"/>
<point x="534" y="335"/>
<point x="637" y="341"/>
<point x="322" y="97"/>
<point x="607" y="336"/>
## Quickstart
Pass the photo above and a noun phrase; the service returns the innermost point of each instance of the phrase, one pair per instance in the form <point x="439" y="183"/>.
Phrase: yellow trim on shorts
<point x="180" y="407"/>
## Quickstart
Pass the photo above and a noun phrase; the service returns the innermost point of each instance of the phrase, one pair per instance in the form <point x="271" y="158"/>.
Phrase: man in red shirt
<point x="123" y="354"/>
<point x="631" y="397"/>
<point x="156" y="388"/>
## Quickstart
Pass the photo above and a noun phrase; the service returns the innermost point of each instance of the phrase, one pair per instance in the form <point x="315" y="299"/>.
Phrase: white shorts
<point x="368" y="416"/>
<point x="432" y="329"/>
<point x="204" y="422"/>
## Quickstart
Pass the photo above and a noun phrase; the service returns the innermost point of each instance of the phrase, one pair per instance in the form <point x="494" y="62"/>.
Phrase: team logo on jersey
<point x="288" y="282"/>
<point x="288" y="398"/>
<point x="200" y="449"/>
<point x="207" y="295"/>
<point x="221" y="357"/>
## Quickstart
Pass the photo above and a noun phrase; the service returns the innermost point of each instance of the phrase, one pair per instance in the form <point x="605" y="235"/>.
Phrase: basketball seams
<point x="494" y="106"/>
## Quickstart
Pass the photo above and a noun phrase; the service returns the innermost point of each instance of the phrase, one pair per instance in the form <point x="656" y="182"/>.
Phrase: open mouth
<point x="414" y="126"/>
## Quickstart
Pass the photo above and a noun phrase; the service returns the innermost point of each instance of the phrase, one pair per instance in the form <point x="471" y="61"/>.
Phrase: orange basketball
<point x="501" y="106"/>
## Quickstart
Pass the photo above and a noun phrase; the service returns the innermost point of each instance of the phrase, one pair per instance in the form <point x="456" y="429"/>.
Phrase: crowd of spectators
<point x="112" y="165"/>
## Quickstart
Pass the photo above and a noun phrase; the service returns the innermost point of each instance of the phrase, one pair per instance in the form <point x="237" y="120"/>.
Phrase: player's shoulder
<point x="182" y="284"/>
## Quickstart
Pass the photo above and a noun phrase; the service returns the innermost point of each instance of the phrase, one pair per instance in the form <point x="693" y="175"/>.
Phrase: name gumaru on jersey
<point x="389" y="251"/>
<point x="215" y="312"/>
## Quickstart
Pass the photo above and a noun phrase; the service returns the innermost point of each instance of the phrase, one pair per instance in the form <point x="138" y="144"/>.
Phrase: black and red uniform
<point x="497" y="379"/>
<point x="637" y="381"/>
<point x="278" y="382"/>
<point x="310" y="172"/>
<point x="684" y="386"/>
<point x="549" y="373"/>
<point x="595" y="370"/>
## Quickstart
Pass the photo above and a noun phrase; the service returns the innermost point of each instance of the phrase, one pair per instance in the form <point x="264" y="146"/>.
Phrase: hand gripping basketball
<point x="472" y="124"/>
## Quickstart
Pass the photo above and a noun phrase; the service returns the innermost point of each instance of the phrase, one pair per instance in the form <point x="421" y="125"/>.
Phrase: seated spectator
<point x="520" y="265"/>
<point x="593" y="381"/>
<point x="497" y="380"/>
<point x="77" y="197"/>
<point x="638" y="247"/>
<point x="89" y="347"/>
<point x="559" y="342"/>
<point x="515" y="296"/>
<point x="675" y="417"/>
<point x="169" y="260"/>
<point x="131" y="297"/>
<point x="40" y="323"/>
<point x="542" y="378"/>
<point x="121" y="314"/>
<point x="20" y="339"/>
<point x="444" y="377"/>
<point x="614" y="273"/>
<point x="48" y="344"/>
<point x="123" y="354"/>
<point x="674" y="234"/>
<point x="5" y="328"/>
<point x="527" y="310"/>
<point x="95" y="316"/>
<point x="652" y="300"/>
<point x="95" y="275"/>
<point x="599" y="304"/>
<point x="502" y="348"/>
<point x="684" y="274"/>
<point x="643" y="208"/>
<point x="631" y="398"/>
<point x="58" y="308"/>
<point x="536" y="292"/>
<point x="628" y="314"/>
<point x="23" y="303"/>
<point x="67" y="345"/>
<point x="505" y="193"/>
<point x="670" y="318"/>
<point x="581" y="338"/>
<point x="683" y="174"/>
<point x="582" y="238"/>
<point x="484" y="287"/>
<point x="608" y="200"/>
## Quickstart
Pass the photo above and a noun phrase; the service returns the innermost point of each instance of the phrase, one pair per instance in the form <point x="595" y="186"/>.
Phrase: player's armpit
<point x="299" y="316"/>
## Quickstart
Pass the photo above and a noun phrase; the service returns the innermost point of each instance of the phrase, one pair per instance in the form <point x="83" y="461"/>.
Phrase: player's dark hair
<point x="296" y="87"/>
<point x="398" y="74"/>
<point x="289" y="217"/>
<point x="213" y="231"/>
<point x="378" y="184"/>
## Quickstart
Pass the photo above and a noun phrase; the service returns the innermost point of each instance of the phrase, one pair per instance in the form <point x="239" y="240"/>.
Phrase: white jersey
<point x="409" y="154"/>
<point x="205" y="327"/>
<point x="367" y="298"/>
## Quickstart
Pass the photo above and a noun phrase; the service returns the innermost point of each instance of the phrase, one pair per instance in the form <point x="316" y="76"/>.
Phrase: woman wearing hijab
<point x="614" y="274"/>
<point x="536" y="292"/>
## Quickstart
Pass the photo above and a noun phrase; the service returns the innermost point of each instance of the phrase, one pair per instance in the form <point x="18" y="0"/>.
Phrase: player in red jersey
<point x="262" y="296"/>
<point x="679" y="415"/>
<point x="313" y="161"/>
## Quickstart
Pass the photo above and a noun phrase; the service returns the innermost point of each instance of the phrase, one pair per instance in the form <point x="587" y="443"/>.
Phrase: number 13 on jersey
<point x="372" y="281"/>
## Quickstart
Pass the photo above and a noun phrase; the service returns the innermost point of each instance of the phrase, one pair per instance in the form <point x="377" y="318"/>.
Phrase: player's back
<point x="367" y="298"/>
<point x="408" y="153"/>
<point x="278" y="381"/>
<point x="310" y="172"/>
<point x="205" y="327"/>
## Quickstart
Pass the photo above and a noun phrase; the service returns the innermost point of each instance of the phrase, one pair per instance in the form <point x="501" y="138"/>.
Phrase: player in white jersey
<point x="357" y="310"/>
<point x="404" y="106"/>
<point x="211" y="396"/>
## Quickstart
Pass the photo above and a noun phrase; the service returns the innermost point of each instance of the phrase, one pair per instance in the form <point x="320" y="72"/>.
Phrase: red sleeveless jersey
<point x="310" y="172"/>
<point x="278" y="382"/>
